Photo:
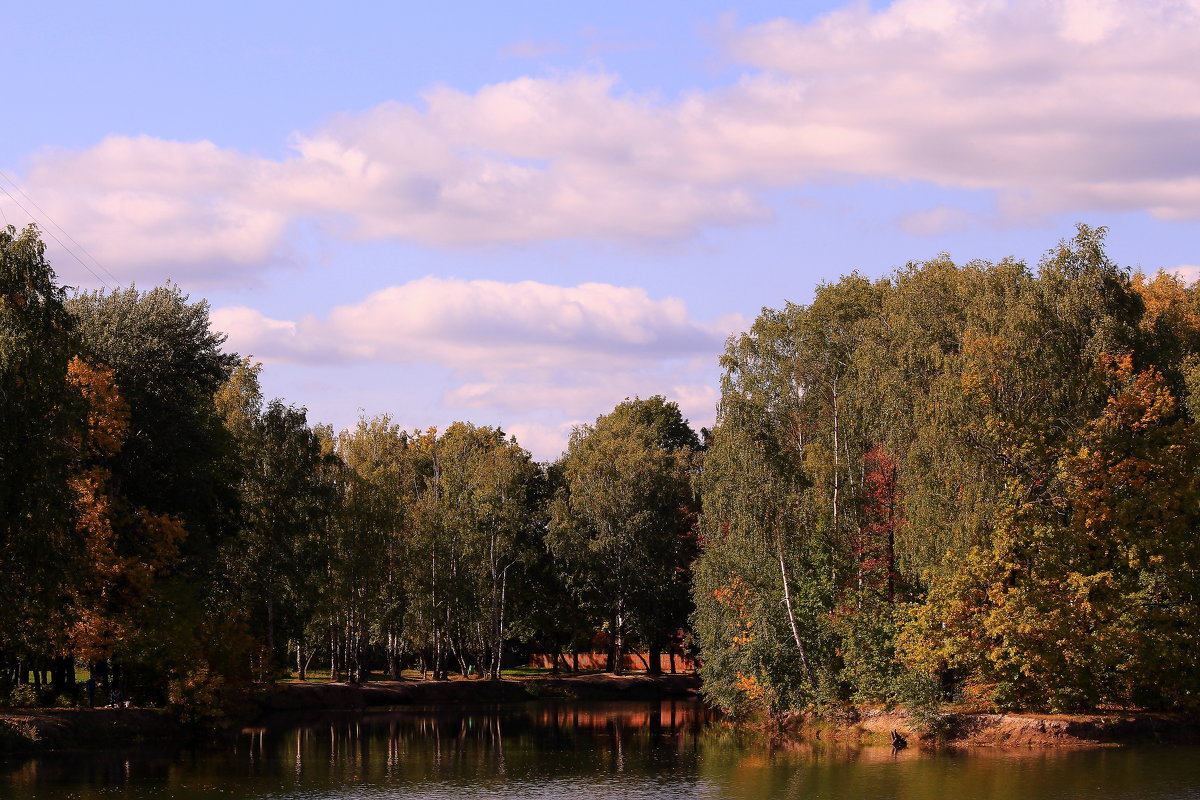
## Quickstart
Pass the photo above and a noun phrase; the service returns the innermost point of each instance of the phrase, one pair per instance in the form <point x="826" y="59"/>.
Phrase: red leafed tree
<point x="875" y="542"/>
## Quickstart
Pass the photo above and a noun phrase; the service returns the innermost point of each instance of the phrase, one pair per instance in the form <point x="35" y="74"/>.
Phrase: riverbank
<point x="32" y="730"/>
<point x="293" y="696"/>
<point x="37" y="729"/>
<point x="68" y="729"/>
<point x="969" y="730"/>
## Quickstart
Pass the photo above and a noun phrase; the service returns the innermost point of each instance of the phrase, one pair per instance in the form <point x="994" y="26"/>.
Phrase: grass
<point x="322" y="675"/>
<point x="525" y="672"/>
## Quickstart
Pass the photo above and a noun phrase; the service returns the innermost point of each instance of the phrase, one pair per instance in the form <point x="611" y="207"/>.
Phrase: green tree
<point x="39" y="415"/>
<point x="288" y="502"/>
<point x="622" y="524"/>
<point x="175" y="464"/>
<point x="168" y="364"/>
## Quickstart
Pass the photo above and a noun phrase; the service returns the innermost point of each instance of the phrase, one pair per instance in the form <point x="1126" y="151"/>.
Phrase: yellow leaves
<point x="1137" y="401"/>
<point x="122" y="551"/>
<point x="749" y="685"/>
<point x="93" y="519"/>
<point x="979" y="695"/>
<point x="737" y="596"/>
<point x="164" y="534"/>
<point x="1166" y="300"/>
<point x="107" y="412"/>
<point x="727" y="595"/>
<point x="92" y="635"/>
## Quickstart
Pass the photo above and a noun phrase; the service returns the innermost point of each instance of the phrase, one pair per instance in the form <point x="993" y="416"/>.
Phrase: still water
<point x="581" y="751"/>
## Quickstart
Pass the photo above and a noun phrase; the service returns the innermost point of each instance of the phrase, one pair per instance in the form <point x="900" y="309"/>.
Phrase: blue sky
<point x="520" y="213"/>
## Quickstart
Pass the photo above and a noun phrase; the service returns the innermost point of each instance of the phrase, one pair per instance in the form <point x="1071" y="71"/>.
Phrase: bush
<point x="921" y="695"/>
<point x="23" y="696"/>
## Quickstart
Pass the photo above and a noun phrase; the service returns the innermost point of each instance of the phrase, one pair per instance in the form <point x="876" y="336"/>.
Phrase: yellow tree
<point x="123" y="548"/>
<point x="1091" y="598"/>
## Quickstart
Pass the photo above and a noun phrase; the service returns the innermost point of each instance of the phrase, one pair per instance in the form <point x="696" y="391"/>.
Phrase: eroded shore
<point x="1015" y="730"/>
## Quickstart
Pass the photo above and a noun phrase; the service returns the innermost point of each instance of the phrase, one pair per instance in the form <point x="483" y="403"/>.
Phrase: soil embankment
<point x="964" y="730"/>
<point x="67" y="729"/>
<point x="74" y="728"/>
<point x="330" y="696"/>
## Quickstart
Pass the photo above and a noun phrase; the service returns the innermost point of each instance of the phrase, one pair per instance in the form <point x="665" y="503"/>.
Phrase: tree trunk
<point x="270" y="634"/>
<point x="614" y="646"/>
<point x="787" y="601"/>
<point x="332" y="653"/>
<point x="655" y="667"/>
<point x="498" y="628"/>
<point x="891" y="546"/>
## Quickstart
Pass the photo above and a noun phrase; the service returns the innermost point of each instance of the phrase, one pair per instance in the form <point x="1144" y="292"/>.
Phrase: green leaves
<point x="1041" y="551"/>
<point x="621" y="524"/>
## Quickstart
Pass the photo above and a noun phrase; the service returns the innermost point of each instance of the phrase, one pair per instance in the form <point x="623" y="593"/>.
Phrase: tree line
<point x="972" y="482"/>
<point x="960" y="482"/>
<point x="172" y="533"/>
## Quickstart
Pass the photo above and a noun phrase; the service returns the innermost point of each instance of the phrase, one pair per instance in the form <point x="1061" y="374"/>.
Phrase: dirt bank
<point x="74" y="728"/>
<point x="26" y="730"/>
<point x="300" y="696"/>
<point x="965" y="730"/>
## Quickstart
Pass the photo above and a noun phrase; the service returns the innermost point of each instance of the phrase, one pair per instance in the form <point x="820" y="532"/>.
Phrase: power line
<point x="62" y="230"/>
<point x="55" y="238"/>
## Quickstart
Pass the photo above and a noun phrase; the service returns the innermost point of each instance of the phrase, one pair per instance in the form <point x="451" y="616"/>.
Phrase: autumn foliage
<point x="961" y="483"/>
<point x="989" y="496"/>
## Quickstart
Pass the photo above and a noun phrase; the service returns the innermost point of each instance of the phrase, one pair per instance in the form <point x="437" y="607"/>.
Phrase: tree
<point x="935" y="463"/>
<point x="622" y="523"/>
<point x="1089" y="599"/>
<point x="168" y="364"/>
<point x="369" y="568"/>
<point x="39" y="415"/>
<point x="174" y="471"/>
<point x="287" y="503"/>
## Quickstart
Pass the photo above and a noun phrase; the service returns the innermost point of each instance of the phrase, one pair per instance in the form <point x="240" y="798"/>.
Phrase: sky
<point x="520" y="213"/>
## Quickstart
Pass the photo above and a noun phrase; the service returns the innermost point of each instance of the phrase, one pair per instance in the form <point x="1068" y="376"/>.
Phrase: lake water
<point x="581" y="751"/>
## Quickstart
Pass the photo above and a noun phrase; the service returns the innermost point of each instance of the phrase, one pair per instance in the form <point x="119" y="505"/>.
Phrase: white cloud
<point x="1188" y="272"/>
<point x="1055" y="105"/>
<point x="485" y="325"/>
<point x="934" y="221"/>
<point x="528" y="48"/>
<point x="179" y="208"/>
<point x="513" y="349"/>
<point x="1062" y="105"/>
<point x="545" y="442"/>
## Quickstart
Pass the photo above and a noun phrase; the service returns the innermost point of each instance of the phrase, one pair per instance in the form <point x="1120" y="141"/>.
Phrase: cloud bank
<point x="510" y="347"/>
<point x="484" y="325"/>
<point x="1059" y="105"/>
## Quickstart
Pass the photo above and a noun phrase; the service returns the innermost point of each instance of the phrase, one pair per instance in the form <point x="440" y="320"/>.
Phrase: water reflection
<point x="470" y="746"/>
<point x="584" y="750"/>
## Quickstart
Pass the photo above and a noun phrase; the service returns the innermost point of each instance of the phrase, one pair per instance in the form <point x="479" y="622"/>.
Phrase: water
<point x="584" y="751"/>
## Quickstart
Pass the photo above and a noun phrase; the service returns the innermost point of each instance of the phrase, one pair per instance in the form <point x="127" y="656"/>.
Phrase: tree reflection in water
<point x="582" y="750"/>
